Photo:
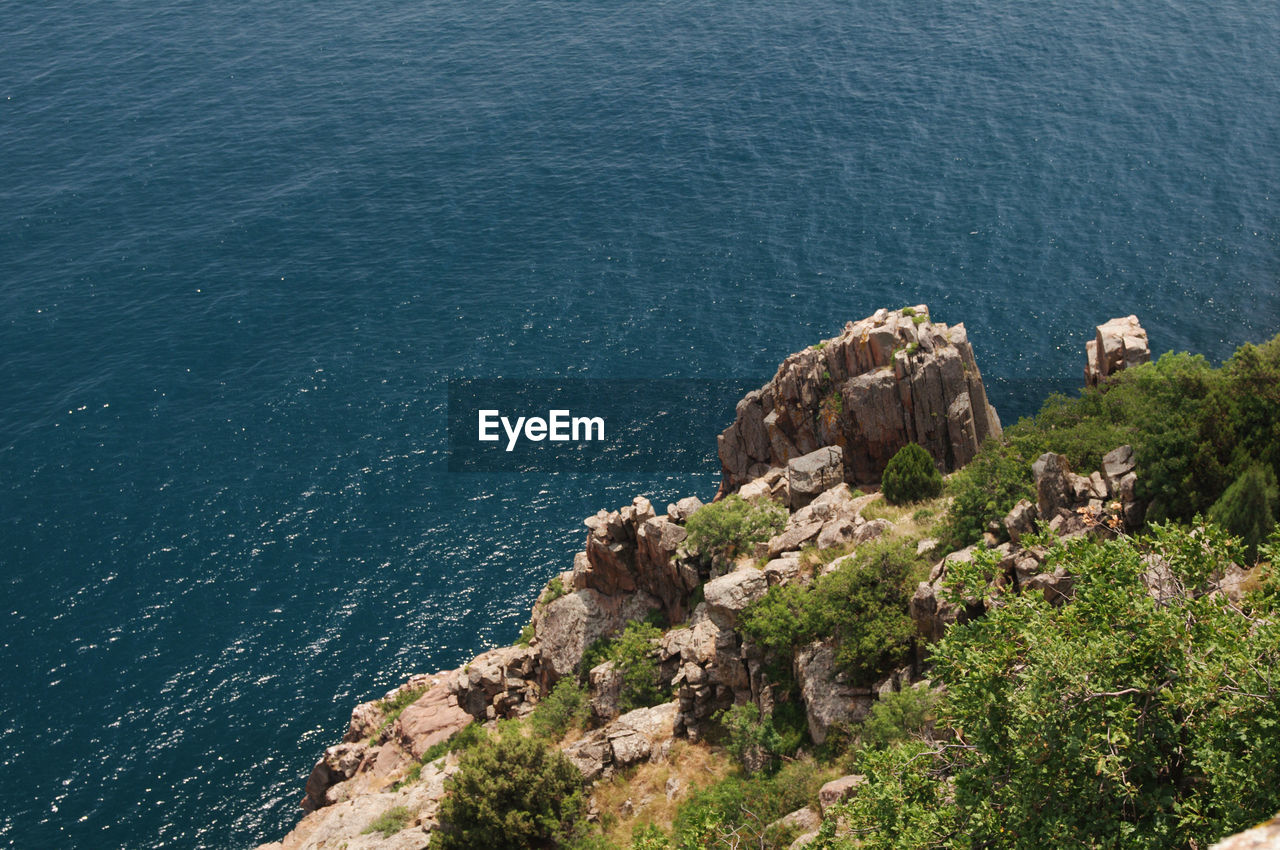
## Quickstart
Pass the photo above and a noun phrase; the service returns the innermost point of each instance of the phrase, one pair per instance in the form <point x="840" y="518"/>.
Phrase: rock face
<point x="1119" y="344"/>
<point x="1264" y="836"/>
<point x="888" y="380"/>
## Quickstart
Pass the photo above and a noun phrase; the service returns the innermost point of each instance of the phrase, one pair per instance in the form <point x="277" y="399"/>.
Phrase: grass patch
<point x="389" y="822"/>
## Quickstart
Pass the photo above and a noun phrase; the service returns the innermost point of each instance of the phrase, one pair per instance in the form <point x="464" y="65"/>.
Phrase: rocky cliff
<point x="893" y="378"/>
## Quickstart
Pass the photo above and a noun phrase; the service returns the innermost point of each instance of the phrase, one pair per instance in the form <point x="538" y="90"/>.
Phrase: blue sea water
<point x="244" y="245"/>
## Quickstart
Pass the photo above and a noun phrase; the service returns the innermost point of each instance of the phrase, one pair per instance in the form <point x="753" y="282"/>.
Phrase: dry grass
<point x="638" y="796"/>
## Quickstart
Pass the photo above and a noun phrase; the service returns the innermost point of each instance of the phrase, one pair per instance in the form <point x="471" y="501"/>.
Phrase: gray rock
<point x="838" y="790"/>
<point x="828" y="700"/>
<point x="1020" y="520"/>
<point x="810" y="475"/>
<point x="1118" y="344"/>
<point x="728" y="595"/>
<point x="837" y="532"/>
<point x="804" y="820"/>
<point x="1053" y="485"/>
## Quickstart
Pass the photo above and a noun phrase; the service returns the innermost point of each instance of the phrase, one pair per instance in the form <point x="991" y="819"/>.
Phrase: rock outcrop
<point x="1119" y="344"/>
<point x="888" y="380"/>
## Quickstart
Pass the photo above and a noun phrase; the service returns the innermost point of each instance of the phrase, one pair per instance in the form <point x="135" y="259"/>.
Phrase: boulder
<point x="728" y="595"/>
<point x="828" y="699"/>
<point x="812" y="474"/>
<point x="1118" y="344"/>
<point x="1054" y="490"/>
<point x="838" y="790"/>
<point x="1264" y="836"/>
<point x="804" y="821"/>
<point x="1020" y="520"/>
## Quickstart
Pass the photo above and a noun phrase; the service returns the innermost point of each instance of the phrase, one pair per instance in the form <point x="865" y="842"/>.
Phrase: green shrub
<point x="727" y="527"/>
<point x="389" y="822"/>
<point x="635" y="658"/>
<point x="527" y="634"/>
<point x="910" y="476"/>
<point x="985" y="490"/>
<point x="908" y="311"/>
<point x="566" y="707"/>
<point x="861" y="606"/>
<point x="759" y="744"/>
<point x="555" y="589"/>
<point x="510" y="793"/>
<point x="649" y="837"/>
<point x="734" y="812"/>
<point x="898" y="716"/>
<point x="1248" y="508"/>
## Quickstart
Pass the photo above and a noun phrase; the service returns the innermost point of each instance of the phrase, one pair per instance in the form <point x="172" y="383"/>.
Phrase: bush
<point x="900" y="716"/>
<point x="727" y="527"/>
<point x="635" y="659"/>
<point x="1248" y="508"/>
<point x="910" y="476"/>
<point x="566" y="707"/>
<point x="985" y="490"/>
<point x="760" y="743"/>
<point x="734" y="812"/>
<point x="861" y="606"/>
<point x="510" y="793"/>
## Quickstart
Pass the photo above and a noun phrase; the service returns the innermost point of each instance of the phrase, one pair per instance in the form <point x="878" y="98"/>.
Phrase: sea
<point x="245" y="247"/>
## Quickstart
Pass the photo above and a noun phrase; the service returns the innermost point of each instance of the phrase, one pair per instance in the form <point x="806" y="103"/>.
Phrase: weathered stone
<point x="793" y="537"/>
<point x="801" y="820"/>
<point x="683" y="509"/>
<point x="782" y="571"/>
<point x="1020" y="520"/>
<point x="837" y="532"/>
<point x="838" y="790"/>
<point x="1118" y="344"/>
<point x="1117" y="463"/>
<point x="728" y="595"/>
<point x="810" y="475"/>
<point x="828" y="700"/>
<point x="606" y="689"/>
<point x="433" y="718"/>
<point x="1053" y="485"/>
<point x="1264" y="836"/>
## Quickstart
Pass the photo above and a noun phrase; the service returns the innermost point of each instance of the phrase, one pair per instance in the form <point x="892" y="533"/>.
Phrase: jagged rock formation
<point x="888" y="380"/>
<point x="1119" y="344"/>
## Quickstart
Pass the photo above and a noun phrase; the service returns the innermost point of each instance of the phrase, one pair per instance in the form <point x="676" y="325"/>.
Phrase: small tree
<point x="910" y="476"/>
<point x="510" y="793"/>
<point x="1248" y="507"/>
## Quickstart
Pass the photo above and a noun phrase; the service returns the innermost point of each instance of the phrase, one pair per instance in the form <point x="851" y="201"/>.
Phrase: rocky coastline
<point x="825" y="425"/>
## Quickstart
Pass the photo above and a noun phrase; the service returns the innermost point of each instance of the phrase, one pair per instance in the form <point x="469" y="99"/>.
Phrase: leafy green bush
<point x="1115" y="720"/>
<point x="734" y="812"/>
<point x="635" y="658"/>
<point x="861" y="606"/>
<point x="564" y="708"/>
<point x="985" y="490"/>
<point x="910" y="476"/>
<point x="389" y="822"/>
<point x="760" y="743"/>
<point x="727" y="527"/>
<point x="898" y="716"/>
<point x="510" y="793"/>
<point x="1248" y="508"/>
